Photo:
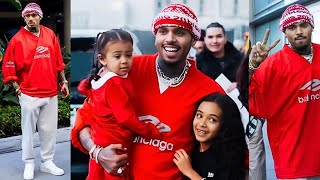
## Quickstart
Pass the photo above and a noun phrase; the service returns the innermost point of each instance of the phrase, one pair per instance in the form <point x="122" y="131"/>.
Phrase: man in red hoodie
<point x="167" y="86"/>
<point x="285" y="90"/>
<point x="31" y="64"/>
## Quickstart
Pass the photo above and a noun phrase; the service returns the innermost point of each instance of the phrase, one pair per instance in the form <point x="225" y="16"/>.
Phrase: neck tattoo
<point x="175" y="81"/>
<point x="33" y="30"/>
<point x="309" y="57"/>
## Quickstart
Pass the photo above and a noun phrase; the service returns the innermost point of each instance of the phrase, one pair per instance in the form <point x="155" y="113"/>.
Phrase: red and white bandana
<point x="295" y="13"/>
<point x="177" y="15"/>
<point x="32" y="8"/>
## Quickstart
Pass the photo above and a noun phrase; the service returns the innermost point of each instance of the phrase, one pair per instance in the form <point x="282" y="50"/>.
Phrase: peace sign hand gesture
<point x="260" y="51"/>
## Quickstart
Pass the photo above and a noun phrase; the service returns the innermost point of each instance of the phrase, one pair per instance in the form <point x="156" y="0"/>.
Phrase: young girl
<point x="220" y="151"/>
<point x="108" y="95"/>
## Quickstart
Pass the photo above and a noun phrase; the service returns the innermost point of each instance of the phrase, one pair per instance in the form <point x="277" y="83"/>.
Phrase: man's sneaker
<point x="50" y="167"/>
<point x="28" y="171"/>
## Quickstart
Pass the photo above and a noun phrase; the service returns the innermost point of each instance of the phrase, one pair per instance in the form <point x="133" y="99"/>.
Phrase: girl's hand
<point x="183" y="161"/>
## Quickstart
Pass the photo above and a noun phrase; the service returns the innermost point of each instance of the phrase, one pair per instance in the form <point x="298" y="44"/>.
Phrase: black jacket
<point x="210" y="65"/>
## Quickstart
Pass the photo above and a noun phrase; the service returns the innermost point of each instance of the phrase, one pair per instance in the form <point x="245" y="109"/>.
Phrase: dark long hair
<point x="242" y="79"/>
<point x="229" y="143"/>
<point x="101" y="41"/>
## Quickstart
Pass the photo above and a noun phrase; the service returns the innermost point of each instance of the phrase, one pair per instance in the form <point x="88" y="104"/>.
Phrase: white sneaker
<point x="50" y="167"/>
<point x="28" y="171"/>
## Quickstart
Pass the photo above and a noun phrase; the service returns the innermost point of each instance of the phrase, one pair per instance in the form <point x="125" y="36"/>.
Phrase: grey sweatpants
<point x="257" y="155"/>
<point x="43" y="113"/>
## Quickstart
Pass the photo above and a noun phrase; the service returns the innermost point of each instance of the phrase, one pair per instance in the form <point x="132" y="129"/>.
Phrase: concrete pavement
<point x="11" y="165"/>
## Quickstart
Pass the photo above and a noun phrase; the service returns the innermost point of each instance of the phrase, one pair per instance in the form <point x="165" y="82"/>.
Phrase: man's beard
<point x="33" y="29"/>
<point x="303" y="50"/>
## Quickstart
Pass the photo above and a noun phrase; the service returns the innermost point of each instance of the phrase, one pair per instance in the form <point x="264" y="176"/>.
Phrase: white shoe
<point x="28" y="171"/>
<point x="50" y="167"/>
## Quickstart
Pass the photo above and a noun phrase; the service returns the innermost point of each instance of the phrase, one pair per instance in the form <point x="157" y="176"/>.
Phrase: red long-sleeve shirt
<point x="33" y="62"/>
<point x="115" y="117"/>
<point x="286" y="91"/>
<point x="115" y="121"/>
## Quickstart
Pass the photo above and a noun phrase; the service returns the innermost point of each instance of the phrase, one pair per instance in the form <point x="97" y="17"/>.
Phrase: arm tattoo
<point x="85" y="139"/>
<point x="62" y="76"/>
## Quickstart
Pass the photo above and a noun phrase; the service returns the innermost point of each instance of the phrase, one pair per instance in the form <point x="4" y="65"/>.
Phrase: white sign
<point x="225" y="83"/>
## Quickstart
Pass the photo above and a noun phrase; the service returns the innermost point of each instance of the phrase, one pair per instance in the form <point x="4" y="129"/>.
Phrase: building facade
<point x="138" y="14"/>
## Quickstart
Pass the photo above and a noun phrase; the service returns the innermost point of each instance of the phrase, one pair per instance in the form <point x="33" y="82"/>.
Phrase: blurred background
<point x="136" y="17"/>
<point x="56" y="17"/>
